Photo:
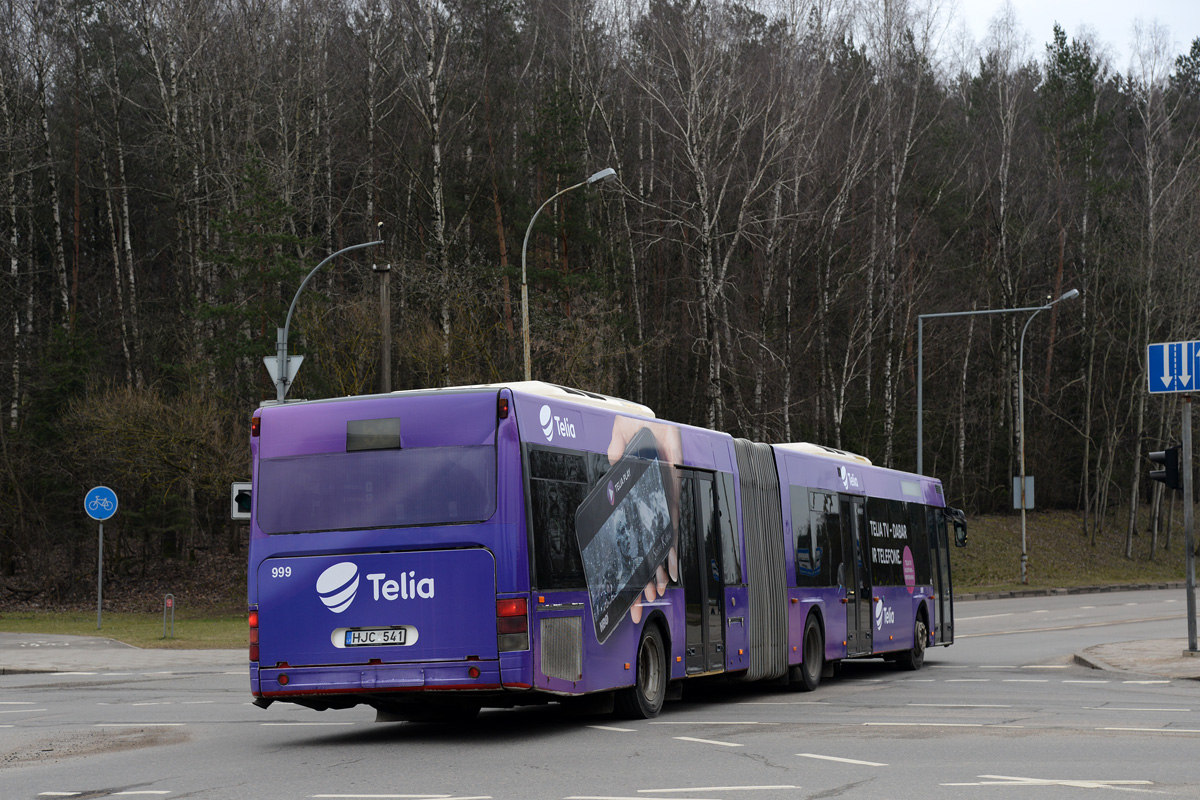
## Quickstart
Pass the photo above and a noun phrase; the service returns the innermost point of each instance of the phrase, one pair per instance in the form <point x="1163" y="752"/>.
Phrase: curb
<point x="1094" y="663"/>
<point x="1124" y="587"/>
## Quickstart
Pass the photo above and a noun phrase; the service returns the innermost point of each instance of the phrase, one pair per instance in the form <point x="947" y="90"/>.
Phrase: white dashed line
<point x="142" y="792"/>
<point x="842" y="760"/>
<point x="59" y="794"/>
<point x="1146" y="683"/>
<point x="1069" y="681"/>
<point x="745" y="722"/>
<point x="968" y="680"/>
<point x="139" y="725"/>
<point x="74" y="673"/>
<point x="16" y="702"/>
<point x="708" y="741"/>
<point x="610" y="728"/>
<point x="717" y="789"/>
<point x="1026" y="680"/>
<point x="22" y="711"/>
<point x="924" y="724"/>
<point x="314" y="725"/>
<point x="1130" y="708"/>
<point x="1153" y="730"/>
<point x="393" y="796"/>
<point x="151" y="704"/>
<point x="985" y="616"/>
<point x="957" y="705"/>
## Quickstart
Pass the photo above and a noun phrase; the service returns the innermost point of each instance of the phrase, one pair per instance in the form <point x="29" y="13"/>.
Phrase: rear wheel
<point x="913" y="659"/>
<point x="807" y="676"/>
<point x="644" y="700"/>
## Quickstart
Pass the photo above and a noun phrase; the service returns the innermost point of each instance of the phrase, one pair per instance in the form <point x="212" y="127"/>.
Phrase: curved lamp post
<point x="1021" y="420"/>
<point x="281" y="374"/>
<point x="603" y="175"/>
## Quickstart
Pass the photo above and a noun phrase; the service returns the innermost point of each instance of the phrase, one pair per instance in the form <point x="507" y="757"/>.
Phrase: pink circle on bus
<point x="910" y="571"/>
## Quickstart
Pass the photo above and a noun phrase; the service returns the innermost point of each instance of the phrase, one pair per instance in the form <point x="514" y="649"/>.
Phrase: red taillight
<point x="254" y="635"/>
<point x="255" y="426"/>
<point x="514" y="607"/>
<point x="502" y="408"/>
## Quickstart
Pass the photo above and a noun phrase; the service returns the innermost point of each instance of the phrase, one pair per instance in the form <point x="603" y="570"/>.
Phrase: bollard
<point x="168" y="603"/>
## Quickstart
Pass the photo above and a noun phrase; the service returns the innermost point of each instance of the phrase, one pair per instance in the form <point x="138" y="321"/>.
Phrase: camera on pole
<point x="1169" y="472"/>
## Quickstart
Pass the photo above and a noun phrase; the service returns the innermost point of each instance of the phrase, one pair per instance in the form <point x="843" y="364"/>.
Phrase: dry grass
<point x="1060" y="553"/>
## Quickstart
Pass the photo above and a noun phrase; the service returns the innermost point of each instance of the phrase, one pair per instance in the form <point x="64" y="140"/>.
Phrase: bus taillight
<point x="254" y="635"/>
<point x="512" y="624"/>
<point x="255" y="426"/>
<point x="502" y="408"/>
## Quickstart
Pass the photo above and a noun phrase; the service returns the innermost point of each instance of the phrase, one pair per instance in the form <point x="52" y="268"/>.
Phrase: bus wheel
<point x="807" y="676"/>
<point x="644" y="700"/>
<point x="913" y="659"/>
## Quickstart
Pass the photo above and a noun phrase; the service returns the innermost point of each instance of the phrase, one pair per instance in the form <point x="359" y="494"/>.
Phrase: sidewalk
<point x="30" y="653"/>
<point x="1164" y="658"/>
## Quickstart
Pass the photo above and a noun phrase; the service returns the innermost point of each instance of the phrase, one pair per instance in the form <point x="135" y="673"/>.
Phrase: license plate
<point x="368" y="637"/>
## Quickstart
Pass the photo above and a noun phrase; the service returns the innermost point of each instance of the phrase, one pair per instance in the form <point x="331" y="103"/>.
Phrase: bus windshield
<point x="376" y="489"/>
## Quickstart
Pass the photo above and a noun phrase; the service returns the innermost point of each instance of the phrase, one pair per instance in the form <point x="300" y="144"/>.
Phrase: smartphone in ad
<point x="624" y="531"/>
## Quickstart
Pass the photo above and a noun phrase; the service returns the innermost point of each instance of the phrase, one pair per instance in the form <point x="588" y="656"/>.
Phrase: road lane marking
<point x="958" y="705"/>
<point x="717" y="789"/>
<point x="784" y="703"/>
<point x="1130" y="708"/>
<point x="1045" y="666"/>
<point x="74" y="673"/>
<point x="985" y="616"/>
<point x="1088" y="681"/>
<point x="312" y="724"/>
<point x="1000" y="667"/>
<point x="968" y="680"/>
<point x="842" y="760"/>
<point x="1146" y="683"/>
<point x="22" y="711"/>
<point x="392" y="796"/>
<point x="657" y="722"/>
<point x="1052" y="628"/>
<point x="609" y="797"/>
<point x="924" y="724"/>
<point x="158" y="703"/>
<point x="1026" y="680"/>
<point x="59" y="794"/>
<point x="1006" y="780"/>
<point x="139" y="724"/>
<point x="197" y="702"/>
<point x="142" y="791"/>
<point x="708" y="741"/>
<point x="1153" y="730"/>
<point x="611" y="728"/>
<point x="16" y="702"/>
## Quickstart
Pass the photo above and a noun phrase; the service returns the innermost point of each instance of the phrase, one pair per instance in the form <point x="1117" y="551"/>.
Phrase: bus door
<point x="700" y="571"/>
<point x="939" y="546"/>
<point x="858" y="573"/>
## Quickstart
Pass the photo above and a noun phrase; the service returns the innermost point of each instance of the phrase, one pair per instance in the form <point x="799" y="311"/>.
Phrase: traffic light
<point x="1169" y="473"/>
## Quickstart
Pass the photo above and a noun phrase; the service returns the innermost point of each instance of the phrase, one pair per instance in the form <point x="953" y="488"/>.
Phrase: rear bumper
<point x="511" y="672"/>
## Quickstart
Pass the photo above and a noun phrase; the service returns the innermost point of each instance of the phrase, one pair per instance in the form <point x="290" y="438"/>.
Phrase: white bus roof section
<point x="543" y="389"/>
<point x="821" y="450"/>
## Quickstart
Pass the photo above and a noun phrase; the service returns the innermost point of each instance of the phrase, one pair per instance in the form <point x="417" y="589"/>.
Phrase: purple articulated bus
<point x="432" y="552"/>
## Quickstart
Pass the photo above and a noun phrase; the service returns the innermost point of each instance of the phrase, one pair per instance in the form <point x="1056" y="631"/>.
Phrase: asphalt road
<point x="1005" y="712"/>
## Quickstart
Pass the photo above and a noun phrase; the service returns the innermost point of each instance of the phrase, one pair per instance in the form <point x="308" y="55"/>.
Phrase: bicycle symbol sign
<point x="100" y="503"/>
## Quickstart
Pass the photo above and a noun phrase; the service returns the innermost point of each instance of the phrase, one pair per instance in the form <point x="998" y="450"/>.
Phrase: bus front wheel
<point x="914" y="658"/>
<point x="644" y="700"/>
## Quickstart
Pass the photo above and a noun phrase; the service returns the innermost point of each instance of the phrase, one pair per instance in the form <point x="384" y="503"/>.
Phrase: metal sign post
<point x="1171" y="368"/>
<point x="100" y="504"/>
<point x="1188" y="521"/>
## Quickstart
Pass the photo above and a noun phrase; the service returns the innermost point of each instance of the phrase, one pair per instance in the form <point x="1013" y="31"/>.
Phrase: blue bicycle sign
<point x="100" y="503"/>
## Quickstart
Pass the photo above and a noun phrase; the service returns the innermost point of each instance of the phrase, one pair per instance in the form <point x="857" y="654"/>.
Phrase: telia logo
<point x="338" y="585"/>
<point x="883" y="615"/>
<point x="849" y="479"/>
<point x="550" y="423"/>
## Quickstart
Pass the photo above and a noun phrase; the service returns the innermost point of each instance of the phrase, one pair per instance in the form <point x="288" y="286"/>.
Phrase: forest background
<point x="797" y="182"/>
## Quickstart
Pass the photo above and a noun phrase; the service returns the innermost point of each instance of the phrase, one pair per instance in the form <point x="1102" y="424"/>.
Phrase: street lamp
<point x="278" y="365"/>
<point x="598" y="177"/>
<point x="1020" y="392"/>
<point x="1021" y="419"/>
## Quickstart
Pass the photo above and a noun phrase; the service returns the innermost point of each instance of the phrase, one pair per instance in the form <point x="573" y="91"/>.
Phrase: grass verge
<point x="199" y="632"/>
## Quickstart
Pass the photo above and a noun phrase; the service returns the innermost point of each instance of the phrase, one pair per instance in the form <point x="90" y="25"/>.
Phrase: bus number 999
<point x="281" y="572"/>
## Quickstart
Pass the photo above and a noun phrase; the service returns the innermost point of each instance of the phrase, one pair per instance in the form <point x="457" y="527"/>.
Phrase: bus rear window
<point x="376" y="489"/>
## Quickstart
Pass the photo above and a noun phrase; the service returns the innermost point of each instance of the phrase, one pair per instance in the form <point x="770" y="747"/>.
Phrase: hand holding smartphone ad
<point x="631" y="534"/>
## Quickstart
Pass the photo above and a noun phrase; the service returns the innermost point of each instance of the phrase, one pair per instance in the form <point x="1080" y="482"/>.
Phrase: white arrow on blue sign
<point x="100" y="503"/>
<point x="1173" y="367"/>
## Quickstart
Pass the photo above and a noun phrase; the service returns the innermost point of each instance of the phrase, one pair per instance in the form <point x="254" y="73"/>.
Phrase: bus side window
<point x="558" y="482"/>
<point x="731" y="551"/>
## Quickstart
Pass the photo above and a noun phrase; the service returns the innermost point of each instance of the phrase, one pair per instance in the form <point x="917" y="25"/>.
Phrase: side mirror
<point x="239" y="501"/>
<point x="959" y="521"/>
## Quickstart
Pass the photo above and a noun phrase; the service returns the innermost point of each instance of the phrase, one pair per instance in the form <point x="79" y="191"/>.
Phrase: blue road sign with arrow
<point x="1173" y="367"/>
